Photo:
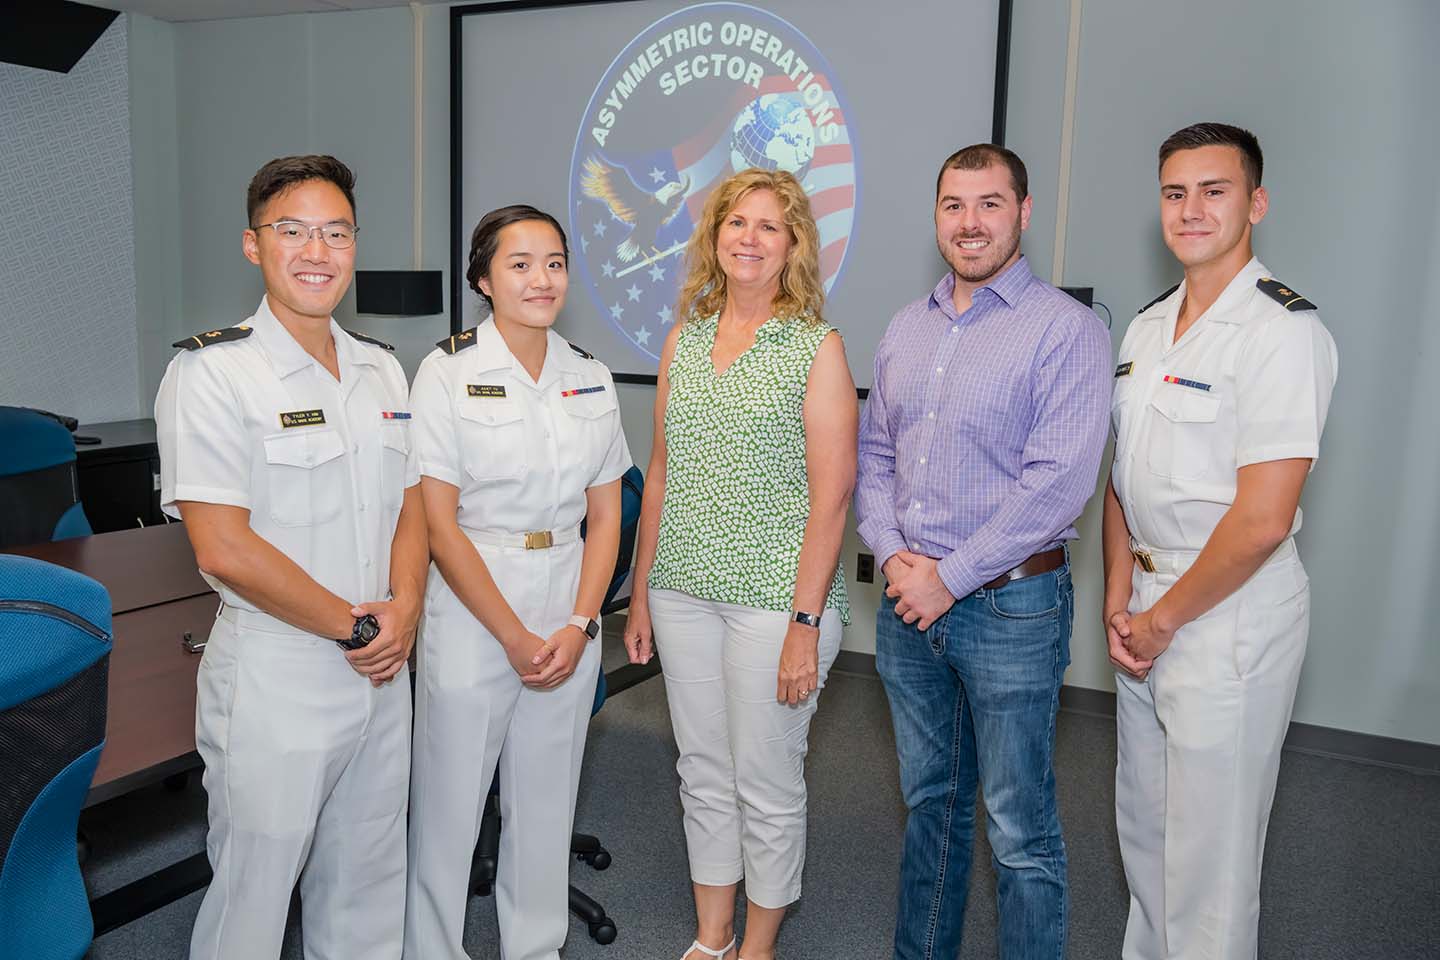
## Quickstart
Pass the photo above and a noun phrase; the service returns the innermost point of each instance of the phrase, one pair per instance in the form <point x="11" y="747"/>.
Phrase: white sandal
<point x="718" y="954"/>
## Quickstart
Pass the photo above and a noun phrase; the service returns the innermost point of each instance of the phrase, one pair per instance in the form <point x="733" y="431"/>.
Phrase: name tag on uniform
<point x="1192" y="384"/>
<point x="485" y="389"/>
<point x="302" y="418"/>
<point x="1124" y="369"/>
<point x="394" y="415"/>
<point x="598" y="388"/>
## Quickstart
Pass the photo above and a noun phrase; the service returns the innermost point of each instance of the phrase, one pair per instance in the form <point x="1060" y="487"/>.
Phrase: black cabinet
<point x="119" y="476"/>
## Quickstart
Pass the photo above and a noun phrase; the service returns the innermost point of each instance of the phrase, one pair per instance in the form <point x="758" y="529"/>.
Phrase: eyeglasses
<point x="293" y="234"/>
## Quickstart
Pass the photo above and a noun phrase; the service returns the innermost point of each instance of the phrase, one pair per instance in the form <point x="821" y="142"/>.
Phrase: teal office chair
<point x="585" y="847"/>
<point x="54" y="664"/>
<point x="39" y="501"/>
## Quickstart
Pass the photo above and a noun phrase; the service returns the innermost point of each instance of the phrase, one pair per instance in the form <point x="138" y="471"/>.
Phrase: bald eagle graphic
<point x="645" y="212"/>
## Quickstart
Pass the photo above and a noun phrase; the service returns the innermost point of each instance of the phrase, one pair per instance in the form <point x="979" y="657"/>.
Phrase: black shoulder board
<point x="458" y="341"/>
<point x="1283" y="295"/>
<point x="583" y="353"/>
<point x="366" y="338"/>
<point x="1157" y="299"/>
<point x="223" y="335"/>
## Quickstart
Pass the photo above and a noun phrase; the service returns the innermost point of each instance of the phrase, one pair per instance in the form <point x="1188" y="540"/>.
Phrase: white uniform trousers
<point x="307" y="772"/>
<point x="1199" y="752"/>
<point x="742" y="753"/>
<point x="471" y="709"/>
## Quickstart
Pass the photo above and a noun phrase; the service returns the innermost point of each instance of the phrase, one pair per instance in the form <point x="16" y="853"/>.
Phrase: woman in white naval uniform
<point x="518" y="436"/>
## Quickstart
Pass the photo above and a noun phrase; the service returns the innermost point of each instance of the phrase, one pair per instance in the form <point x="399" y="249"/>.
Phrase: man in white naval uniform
<point x="1220" y="399"/>
<point x="284" y="446"/>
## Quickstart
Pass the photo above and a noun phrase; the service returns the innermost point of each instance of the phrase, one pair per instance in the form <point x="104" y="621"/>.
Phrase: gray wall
<point x="1337" y="94"/>
<point x="67" y="314"/>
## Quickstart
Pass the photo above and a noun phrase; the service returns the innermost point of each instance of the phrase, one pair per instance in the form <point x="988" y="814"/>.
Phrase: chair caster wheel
<point x="600" y="859"/>
<point x="603" y="932"/>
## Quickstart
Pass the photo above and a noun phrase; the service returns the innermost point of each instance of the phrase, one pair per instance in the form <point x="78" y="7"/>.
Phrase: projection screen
<point x="619" y="118"/>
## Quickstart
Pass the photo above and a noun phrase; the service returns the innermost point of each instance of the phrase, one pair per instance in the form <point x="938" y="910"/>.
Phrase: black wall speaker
<point x="50" y="35"/>
<point x="399" y="293"/>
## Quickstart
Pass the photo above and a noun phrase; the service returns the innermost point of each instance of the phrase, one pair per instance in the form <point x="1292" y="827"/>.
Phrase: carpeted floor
<point x="1352" y="863"/>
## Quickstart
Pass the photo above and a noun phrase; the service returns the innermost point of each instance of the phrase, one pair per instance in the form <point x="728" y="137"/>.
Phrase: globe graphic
<point x="773" y="132"/>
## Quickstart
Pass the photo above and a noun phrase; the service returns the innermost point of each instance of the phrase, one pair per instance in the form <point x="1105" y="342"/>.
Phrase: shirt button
<point x="355" y="448"/>
<point x="931" y="414"/>
<point x="917" y="504"/>
<point x="362" y="508"/>
<point x="939" y="369"/>
<point x="915" y="545"/>
<point x="955" y="329"/>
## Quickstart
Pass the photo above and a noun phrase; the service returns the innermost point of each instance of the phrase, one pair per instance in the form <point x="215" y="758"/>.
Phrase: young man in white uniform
<point x="1220" y="398"/>
<point x="284" y="446"/>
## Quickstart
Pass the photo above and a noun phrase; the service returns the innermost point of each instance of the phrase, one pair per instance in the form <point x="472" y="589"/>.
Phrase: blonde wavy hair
<point x="801" y="295"/>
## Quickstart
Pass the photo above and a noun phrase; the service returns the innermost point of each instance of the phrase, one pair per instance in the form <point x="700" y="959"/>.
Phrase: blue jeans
<point x="973" y="700"/>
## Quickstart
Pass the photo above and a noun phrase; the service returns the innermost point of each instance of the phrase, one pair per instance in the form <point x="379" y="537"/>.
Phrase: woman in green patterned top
<point x="736" y="565"/>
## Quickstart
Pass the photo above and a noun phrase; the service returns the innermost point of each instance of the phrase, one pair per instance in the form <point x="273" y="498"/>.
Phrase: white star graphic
<point x="584" y="243"/>
<point x="617" y="311"/>
<point x="642" y="336"/>
<point x="607" y="268"/>
<point x="664" y="314"/>
<point x="656" y="174"/>
<point x="633" y="293"/>
<point x="599" y="228"/>
<point x="656" y="272"/>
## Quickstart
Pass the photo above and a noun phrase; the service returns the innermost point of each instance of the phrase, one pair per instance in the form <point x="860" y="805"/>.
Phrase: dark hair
<point x="1218" y="135"/>
<point x="978" y="156"/>
<point x="486" y="240"/>
<point x="281" y="174"/>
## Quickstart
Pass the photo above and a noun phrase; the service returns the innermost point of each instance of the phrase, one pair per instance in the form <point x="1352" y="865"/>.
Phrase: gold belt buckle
<point x="1147" y="563"/>
<point x="539" y="540"/>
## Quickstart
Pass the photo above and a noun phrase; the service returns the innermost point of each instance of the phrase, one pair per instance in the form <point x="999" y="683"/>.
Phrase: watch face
<point x="368" y="628"/>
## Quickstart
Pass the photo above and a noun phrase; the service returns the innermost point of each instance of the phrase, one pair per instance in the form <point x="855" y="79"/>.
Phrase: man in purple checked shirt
<point x="979" y="446"/>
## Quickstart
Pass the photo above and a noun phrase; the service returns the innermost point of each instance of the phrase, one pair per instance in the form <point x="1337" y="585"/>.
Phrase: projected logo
<point x="700" y="94"/>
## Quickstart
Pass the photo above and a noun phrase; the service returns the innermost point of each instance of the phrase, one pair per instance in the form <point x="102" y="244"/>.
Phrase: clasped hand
<point x="381" y="658"/>
<point x="1135" y="641"/>
<point x="545" y="664"/>
<point x="915" y="584"/>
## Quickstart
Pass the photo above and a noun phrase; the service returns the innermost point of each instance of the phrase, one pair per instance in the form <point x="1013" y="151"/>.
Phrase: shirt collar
<point x="285" y="353"/>
<point x="492" y="353"/>
<point x="1007" y="286"/>
<point x="1223" y="309"/>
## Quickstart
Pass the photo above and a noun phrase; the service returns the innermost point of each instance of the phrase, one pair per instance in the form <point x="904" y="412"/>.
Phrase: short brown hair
<point x="1217" y="135"/>
<point x="486" y="240"/>
<point x="978" y="156"/>
<point x="281" y="174"/>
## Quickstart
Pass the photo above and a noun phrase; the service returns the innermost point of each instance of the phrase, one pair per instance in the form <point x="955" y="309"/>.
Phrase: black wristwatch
<point x="366" y="628"/>
<point x="809" y="619"/>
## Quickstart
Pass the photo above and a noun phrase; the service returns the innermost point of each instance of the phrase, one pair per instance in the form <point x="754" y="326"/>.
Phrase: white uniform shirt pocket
<point x="394" y="455"/>
<point x="1183" y="433"/>
<point x="301" y="471"/>
<point x="492" y="438"/>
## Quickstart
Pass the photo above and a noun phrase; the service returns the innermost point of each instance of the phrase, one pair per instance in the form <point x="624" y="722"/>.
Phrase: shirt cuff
<point x="440" y="471"/>
<point x="958" y="575"/>
<point x="1301" y="450"/>
<point x="886" y="545"/>
<point x="222" y="496"/>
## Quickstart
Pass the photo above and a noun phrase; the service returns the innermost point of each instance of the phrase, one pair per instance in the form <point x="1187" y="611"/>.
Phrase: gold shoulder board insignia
<point x="1157" y="299"/>
<point x="581" y="352"/>
<point x="459" y="341"/>
<point x="366" y="338"/>
<point x="1283" y="295"/>
<point x="223" y="335"/>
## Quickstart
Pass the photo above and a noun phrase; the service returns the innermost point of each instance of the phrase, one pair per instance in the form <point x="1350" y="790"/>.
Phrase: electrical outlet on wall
<point x="865" y="568"/>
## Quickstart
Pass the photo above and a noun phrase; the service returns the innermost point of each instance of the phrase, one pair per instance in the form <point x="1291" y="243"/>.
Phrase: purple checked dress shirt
<point x="982" y="436"/>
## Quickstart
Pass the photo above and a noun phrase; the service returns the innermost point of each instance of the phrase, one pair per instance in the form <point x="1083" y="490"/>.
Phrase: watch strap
<point x="809" y="619"/>
<point x="591" y="628"/>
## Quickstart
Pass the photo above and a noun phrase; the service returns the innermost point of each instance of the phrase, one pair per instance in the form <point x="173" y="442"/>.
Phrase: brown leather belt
<point x="1036" y="565"/>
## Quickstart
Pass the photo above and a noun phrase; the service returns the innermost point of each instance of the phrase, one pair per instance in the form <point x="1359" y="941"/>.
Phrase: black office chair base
<point x="602" y="928"/>
<point x="586" y="848"/>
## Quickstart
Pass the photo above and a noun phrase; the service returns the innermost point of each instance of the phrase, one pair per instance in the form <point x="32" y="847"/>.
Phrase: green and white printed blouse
<point x="737" y="495"/>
